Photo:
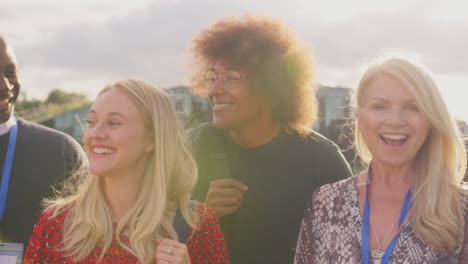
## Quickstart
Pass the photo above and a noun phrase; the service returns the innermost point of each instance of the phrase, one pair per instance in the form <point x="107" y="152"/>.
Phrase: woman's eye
<point x="378" y="106"/>
<point x="233" y="78"/>
<point x="413" y="108"/>
<point x="114" y="123"/>
<point x="90" y="122"/>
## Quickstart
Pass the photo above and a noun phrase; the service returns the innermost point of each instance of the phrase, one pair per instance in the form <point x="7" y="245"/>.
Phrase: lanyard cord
<point x="366" y="223"/>
<point x="7" y="167"/>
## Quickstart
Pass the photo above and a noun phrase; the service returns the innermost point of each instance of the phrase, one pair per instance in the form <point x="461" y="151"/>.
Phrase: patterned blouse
<point x="207" y="244"/>
<point x="331" y="232"/>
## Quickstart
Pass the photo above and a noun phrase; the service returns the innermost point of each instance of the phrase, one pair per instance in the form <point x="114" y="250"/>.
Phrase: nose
<point x="98" y="131"/>
<point x="216" y="88"/>
<point x="396" y="117"/>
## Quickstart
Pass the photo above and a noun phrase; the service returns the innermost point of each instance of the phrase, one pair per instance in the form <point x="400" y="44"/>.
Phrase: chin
<point x="397" y="161"/>
<point x="5" y="115"/>
<point x="97" y="171"/>
<point x="220" y="123"/>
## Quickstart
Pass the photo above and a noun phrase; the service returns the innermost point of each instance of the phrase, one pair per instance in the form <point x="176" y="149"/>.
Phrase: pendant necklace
<point x="378" y="254"/>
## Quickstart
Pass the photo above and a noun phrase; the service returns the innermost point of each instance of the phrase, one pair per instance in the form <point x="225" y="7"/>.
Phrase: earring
<point x="149" y="148"/>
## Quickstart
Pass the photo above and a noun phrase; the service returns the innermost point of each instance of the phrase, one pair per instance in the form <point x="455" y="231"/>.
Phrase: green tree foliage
<point x="58" y="101"/>
<point x="60" y="97"/>
<point x="24" y="104"/>
<point x="57" y="96"/>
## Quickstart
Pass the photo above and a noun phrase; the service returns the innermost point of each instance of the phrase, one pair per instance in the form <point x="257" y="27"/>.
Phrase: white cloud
<point x="84" y="44"/>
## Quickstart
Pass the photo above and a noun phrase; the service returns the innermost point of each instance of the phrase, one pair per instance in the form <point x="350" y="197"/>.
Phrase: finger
<point x="167" y="249"/>
<point x="169" y="258"/>
<point x="224" y="201"/>
<point x="162" y="261"/>
<point x="168" y="242"/>
<point x="171" y="254"/>
<point x="228" y="182"/>
<point x="164" y="257"/>
<point x="221" y="211"/>
<point x="170" y="246"/>
<point x="172" y="250"/>
<point x="224" y="193"/>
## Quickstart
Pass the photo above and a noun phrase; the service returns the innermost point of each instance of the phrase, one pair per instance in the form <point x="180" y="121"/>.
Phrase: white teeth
<point x="394" y="136"/>
<point x="102" y="150"/>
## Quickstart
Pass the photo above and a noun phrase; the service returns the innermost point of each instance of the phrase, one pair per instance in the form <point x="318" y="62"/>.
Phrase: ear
<point x="356" y="113"/>
<point x="149" y="148"/>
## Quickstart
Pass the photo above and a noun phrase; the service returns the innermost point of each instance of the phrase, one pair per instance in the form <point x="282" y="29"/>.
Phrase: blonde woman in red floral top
<point x="205" y="245"/>
<point x="123" y="207"/>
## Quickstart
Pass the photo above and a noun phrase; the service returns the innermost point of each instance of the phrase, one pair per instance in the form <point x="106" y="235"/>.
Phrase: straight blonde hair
<point x="439" y="192"/>
<point x="170" y="175"/>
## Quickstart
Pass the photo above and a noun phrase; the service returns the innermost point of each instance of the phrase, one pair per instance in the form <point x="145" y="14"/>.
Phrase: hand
<point x="225" y="196"/>
<point x="171" y="252"/>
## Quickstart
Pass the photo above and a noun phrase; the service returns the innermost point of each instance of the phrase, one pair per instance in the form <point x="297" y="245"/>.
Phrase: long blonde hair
<point x="438" y="200"/>
<point x="169" y="177"/>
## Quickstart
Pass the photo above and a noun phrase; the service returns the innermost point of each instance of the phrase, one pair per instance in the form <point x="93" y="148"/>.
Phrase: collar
<point x="5" y="127"/>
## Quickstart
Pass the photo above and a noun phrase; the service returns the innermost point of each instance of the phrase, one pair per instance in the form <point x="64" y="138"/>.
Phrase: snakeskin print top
<point x="331" y="232"/>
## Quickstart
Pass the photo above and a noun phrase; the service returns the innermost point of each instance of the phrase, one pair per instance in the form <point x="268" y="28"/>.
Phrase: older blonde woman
<point x="124" y="206"/>
<point x="409" y="205"/>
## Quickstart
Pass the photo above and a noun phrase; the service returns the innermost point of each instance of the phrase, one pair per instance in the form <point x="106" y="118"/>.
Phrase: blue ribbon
<point x="7" y="167"/>
<point x="365" y="229"/>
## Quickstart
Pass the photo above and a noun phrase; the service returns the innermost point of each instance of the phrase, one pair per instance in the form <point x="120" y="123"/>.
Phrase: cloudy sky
<point x="83" y="45"/>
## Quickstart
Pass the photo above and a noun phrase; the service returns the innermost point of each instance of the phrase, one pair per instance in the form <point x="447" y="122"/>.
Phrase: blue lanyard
<point x="365" y="229"/>
<point x="7" y="167"/>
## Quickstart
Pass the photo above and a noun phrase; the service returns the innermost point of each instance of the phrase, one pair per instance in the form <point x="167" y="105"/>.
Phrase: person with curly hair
<point x="259" y="160"/>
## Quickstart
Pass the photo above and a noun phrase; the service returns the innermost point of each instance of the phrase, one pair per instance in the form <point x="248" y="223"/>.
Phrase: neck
<point x="7" y="120"/>
<point x="6" y="126"/>
<point x="121" y="193"/>
<point x="392" y="176"/>
<point x="255" y="135"/>
<point x="4" y="118"/>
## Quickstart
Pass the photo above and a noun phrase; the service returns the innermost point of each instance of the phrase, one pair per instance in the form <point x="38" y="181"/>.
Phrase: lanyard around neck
<point x="366" y="230"/>
<point x="7" y="167"/>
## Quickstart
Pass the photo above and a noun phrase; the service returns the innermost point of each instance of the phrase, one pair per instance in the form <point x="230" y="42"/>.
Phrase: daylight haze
<point x="82" y="45"/>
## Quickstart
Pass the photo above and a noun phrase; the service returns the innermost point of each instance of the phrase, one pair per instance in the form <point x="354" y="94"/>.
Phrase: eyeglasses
<point x="226" y="76"/>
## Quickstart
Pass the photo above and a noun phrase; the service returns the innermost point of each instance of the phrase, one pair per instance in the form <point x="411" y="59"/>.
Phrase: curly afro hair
<point x="269" y="53"/>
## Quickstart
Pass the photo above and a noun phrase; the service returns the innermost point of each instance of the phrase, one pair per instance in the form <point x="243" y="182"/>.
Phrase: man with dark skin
<point x="32" y="158"/>
<point x="259" y="161"/>
<point x="9" y="83"/>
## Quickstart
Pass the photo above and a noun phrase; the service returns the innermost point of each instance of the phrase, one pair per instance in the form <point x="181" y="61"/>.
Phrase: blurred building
<point x="192" y="109"/>
<point x="463" y="126"/>
<point x="333" y="105"/>
<point x="71" y="122"/>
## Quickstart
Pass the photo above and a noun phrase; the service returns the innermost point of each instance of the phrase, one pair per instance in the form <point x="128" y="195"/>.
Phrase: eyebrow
<point x="227" y="69"/>
<point x="385" y="100"/>
<point x="92" y="111"/>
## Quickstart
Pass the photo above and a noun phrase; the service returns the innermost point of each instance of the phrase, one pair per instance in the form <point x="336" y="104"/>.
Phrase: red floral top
<point x="207" y="244"/>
